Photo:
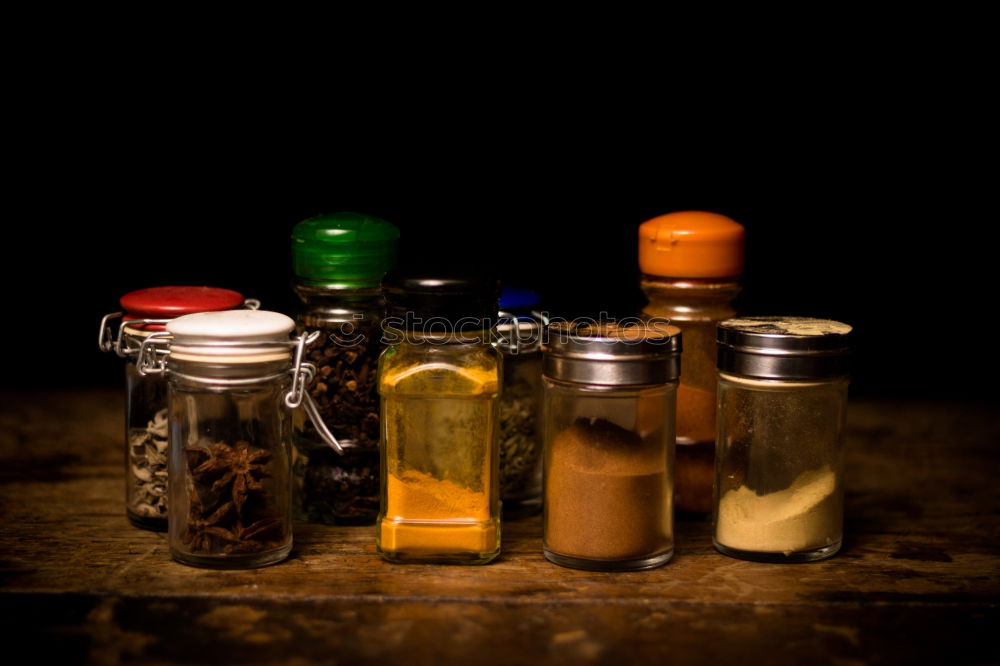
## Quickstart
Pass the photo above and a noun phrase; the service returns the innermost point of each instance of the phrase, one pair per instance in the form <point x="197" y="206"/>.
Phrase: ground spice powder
<point x="607" y="496"/>
<point x="802" y="517"/>
<point x="426" y="515"/>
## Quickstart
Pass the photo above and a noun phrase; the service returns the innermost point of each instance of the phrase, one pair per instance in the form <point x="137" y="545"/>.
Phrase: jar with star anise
<point x="234" y="380"/>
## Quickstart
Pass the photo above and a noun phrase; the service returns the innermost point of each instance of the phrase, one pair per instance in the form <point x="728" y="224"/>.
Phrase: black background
<point x="845" y="221"/>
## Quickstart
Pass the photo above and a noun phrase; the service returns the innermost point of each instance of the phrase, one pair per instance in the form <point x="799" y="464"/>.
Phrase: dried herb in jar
<point x="519" y="446"/>
<point x="148" y="468"/>
<point x="230" y="510"/>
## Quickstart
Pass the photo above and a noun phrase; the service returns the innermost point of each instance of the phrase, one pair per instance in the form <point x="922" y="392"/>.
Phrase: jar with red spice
<point x="690" y="263"/>
<point x="145" y="312"/>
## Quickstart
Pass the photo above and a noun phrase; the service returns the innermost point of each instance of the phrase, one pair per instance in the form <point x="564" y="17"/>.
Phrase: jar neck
<point x="690" y="299"/>
<point x="339" y="304"/>
<point x="223" y="372"/>
<point x="713" y="288"/>
<point x="310" y="294"/>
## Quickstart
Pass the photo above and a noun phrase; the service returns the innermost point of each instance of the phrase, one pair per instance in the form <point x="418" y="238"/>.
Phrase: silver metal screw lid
<point x="783" y="347"/>
<point x="612" y="355"/>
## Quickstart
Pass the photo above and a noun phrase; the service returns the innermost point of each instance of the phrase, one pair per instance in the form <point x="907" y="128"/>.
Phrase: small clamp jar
<point x="146" y="311"/>
<point x="610" y="398"/>
<point x="779" y="462"/>
<point x="519" y="339"/>
<point x="234" y="379"/>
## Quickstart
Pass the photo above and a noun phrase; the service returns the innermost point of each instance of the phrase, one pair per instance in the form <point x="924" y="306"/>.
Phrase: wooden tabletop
<point x="918" y="579"/>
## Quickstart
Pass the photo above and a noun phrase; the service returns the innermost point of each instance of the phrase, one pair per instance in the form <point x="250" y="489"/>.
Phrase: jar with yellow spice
<point x="690" y="263"/>
<point x="439" y="381"/>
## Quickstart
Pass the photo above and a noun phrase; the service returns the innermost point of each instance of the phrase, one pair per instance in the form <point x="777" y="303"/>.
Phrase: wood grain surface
<point x="918" y="579"/>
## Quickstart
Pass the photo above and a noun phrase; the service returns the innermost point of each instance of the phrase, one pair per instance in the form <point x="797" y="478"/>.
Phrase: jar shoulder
<point x="472" y="369"/>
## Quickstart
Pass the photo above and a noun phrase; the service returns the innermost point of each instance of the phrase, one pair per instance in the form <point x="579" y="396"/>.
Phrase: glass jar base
<point x="251" y="561"/>
<point x="147" y="523"/>
<point x="609" y="565"/>
<point x="814" y="555"/>
<point x="402" y="557"/>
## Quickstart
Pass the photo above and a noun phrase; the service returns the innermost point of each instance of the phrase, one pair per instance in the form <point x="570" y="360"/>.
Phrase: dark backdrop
<point x="837" y="229"/>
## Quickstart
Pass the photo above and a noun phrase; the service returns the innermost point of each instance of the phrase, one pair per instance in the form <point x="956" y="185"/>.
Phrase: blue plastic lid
<point x="518" y="299"/>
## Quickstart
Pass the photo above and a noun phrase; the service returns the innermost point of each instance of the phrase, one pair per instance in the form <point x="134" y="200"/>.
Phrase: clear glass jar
<point x="338" y="260"/>
<point x="146" y="440"/>
<point x="696" y="306"/>
<point x="781" y="413"/>
<point x="234" y="379"/>
<point x="333" y="488"/>
<point x="520" y="438"/>
<point x="439" y="388"/>
<point x="690" y="263"/>
<point x="146" y="312"/>
<point x="609" y="437"/>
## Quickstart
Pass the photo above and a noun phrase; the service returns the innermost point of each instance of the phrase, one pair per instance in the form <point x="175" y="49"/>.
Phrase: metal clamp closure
<point x="105" y="338"/>
<point x="152" y="360"/>
<point x="509" y="337"/>
<point x="303" y="374"/>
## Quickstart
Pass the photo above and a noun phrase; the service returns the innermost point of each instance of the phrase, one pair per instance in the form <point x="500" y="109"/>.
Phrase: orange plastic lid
<point x="691" y="244"/>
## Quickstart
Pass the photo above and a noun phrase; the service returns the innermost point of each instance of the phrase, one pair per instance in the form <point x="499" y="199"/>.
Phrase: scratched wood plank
<point x="920" y="568"/>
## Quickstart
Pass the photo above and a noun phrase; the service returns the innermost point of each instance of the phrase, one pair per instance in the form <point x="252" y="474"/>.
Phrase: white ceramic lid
<point x="203" y="336"/>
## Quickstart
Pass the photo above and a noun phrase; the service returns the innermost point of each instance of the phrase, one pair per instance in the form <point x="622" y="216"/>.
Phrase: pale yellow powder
<point x="804" y="516"/>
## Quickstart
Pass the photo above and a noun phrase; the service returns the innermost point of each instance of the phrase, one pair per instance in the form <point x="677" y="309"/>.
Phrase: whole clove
<point x="331" y="488"/>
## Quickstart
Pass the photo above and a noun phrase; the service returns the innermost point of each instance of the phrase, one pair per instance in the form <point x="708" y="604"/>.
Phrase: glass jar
<point x="145" y="312"/>
<point x="519" y="340"/>
<point x="439" y="381"/>
<point x="234" y="379"/>
<point x="338" y="262"/>
<point x="610" y="395"/>
<point x="690" y="263"/>
<point x="779" y="465"/>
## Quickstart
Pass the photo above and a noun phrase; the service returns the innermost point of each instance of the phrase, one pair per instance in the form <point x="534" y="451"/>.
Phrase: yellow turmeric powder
<point x="433" y="517"/>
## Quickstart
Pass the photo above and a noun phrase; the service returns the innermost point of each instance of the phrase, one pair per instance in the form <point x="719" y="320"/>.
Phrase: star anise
<point x="238" y="467"/>
<point x="201" y="529"/>
<point x="262" y="535"/>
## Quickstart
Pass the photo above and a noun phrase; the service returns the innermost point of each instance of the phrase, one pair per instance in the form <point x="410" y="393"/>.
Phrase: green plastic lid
<point x="343" y="250"/>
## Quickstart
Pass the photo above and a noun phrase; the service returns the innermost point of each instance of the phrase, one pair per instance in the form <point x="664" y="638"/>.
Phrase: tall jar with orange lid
<point x="691" y="262"/>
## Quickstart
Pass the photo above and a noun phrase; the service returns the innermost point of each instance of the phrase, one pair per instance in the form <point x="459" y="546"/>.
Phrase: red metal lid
<point x="170" y="302"/>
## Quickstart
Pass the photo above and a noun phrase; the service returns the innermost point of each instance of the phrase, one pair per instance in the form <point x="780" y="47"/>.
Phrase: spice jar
<point x="782" y="405"/>
<point x="234" y="379"/>
<point x="690" y="263"/>
<point x="338" y="261"/>
<point x="519" y="340"/>
<point x="610" y="395"/>
<point x="439" y="380"/>
<point x="144" y="312"/>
